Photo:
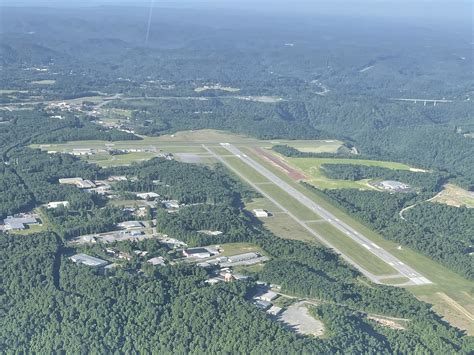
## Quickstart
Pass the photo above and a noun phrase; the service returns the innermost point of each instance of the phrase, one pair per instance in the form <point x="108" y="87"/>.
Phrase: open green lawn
<point x="239" y="248"/>
<point x="311" y="167"/>
<point x="312" y="146"/>
<point x="285" y="227"/>
<point x="121" y="159"/>
<point x="290" y="203"/>
<point x="245" y="170"/>
<point x="31" y="229"/>
<point x="395" y="280"/>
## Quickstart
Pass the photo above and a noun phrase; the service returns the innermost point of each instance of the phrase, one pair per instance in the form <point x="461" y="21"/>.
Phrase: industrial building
<point x="274" y="310"/>
<point x="200" y="253"/>
<point x="267" y="296"/>
<point x="79" y="182"/>
<point x="130" y="224"/>
<point x="242" y="257"/>
<point x="169" y="204"/>
<point x="19" y="222"/>
<point x="88" y="260"/>
<point x="262" y="304"/>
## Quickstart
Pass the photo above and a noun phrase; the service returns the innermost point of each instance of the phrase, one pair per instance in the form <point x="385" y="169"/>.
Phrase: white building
<point x="260" y="213"/>
<point x="242" y="257"/>
<point x="88" y="260"/>
<point x="170" y="204"/>
<point x="148" y="195"/>
<point x="159" y="260"/>
<point x="130" y="224"/>
<point x="56" y="204"/>
<point x="267" y="296"/>
<point x="79" y="182"/>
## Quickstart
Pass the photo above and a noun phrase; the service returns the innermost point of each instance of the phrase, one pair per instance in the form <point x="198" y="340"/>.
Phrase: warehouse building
<point x="88" y="260"/>
<point x="19" y="222"/>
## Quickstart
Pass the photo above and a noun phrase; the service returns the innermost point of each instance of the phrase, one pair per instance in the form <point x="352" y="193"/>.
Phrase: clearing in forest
<point x="297" y="317"/>
<point x="455" y="196"/>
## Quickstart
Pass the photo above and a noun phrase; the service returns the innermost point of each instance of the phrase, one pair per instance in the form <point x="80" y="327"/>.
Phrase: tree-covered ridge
<point x="175" y="180"/>
<point x="171" y="307"/>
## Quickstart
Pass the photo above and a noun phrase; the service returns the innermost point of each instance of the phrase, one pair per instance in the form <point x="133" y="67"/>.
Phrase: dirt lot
<point x="297" y="318"/>
<point x="292" y="173"/>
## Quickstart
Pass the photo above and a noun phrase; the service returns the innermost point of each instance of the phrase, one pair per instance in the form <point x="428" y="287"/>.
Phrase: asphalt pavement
<point x="403" y="270"/>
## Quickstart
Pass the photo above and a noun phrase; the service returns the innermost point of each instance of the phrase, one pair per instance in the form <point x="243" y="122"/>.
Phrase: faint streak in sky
<point x="152" y="2"/>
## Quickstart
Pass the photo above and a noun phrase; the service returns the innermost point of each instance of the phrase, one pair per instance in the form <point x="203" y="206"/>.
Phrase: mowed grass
<point x="245" y="170"/>
<point x="284" y="226"/>
<point x="319" y="146"/>
<point x="352" y="249"/>
<point x="290" y="203"/>
<point x="240" y="248"/>
<point x="311" y="167"/>
<point x="31" y="229"/>
<point x="119" y="160"/>
<point x="445" y="280"/>
<point x="395" y="280"/>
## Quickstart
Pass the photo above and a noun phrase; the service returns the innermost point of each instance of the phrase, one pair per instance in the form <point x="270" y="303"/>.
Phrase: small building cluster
<point x="394" y="186"/>
<point x="263" y="299"/>
<point x="78" y="181"/>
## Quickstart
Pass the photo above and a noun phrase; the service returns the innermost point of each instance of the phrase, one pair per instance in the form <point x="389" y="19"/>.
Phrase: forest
<point x="296" y="77"/>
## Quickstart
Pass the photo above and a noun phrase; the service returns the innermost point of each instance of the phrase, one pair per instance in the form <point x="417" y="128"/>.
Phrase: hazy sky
<point x="410" y="9"/>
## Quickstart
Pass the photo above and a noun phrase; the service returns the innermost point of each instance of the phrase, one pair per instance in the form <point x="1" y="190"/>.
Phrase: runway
<point x="403" y="270"/>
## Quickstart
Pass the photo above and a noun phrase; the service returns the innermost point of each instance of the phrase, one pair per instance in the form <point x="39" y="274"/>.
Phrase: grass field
<point x="455" y="196"/>
<point x="445" y="280"/>
<point x="323" y="146"/>
<point x="347" y="246"/>
<point x="285" y="227"/>
<point x="311" y="167"/>
<point x="394" y="280"/>
<point x="246" y="170"/>
<point x="106" y="160"/>
<point x="31" y="229"/>
<point x="239" y="248"/>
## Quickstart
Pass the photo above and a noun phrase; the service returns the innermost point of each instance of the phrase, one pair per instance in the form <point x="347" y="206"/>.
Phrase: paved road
<point x="403" y="270"/>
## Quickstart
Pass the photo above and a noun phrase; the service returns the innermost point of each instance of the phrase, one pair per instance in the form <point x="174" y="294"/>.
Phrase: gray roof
<point x="18" y="222"/>
<point x="88" y="260"/>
